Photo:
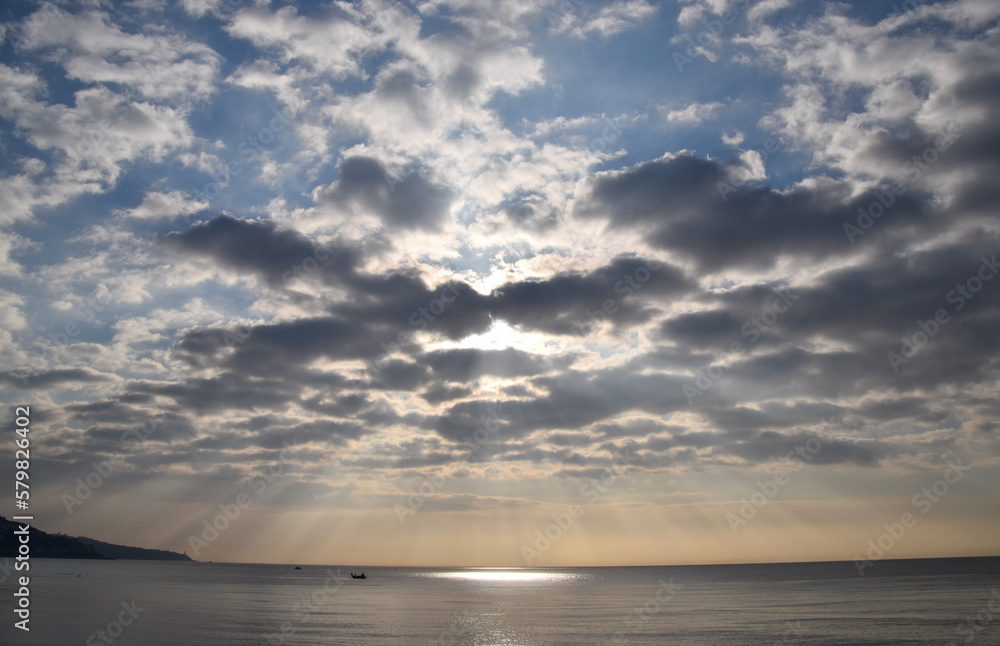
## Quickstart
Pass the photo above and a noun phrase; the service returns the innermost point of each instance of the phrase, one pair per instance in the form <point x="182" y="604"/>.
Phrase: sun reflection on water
<point x="503" y="575"/>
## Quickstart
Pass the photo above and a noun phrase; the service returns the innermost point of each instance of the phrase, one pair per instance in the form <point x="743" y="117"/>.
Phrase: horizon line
<point x="566" y="567"/>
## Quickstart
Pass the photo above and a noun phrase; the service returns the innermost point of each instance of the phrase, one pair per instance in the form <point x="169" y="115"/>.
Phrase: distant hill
<point x="59" y="546"/>
<point x="43" y="545"/>
<point x="134" y="553"/>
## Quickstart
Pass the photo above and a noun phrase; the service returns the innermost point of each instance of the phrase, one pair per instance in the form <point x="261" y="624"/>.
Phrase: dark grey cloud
<point x="402" y="89"/>
<point x="678" y="204"/>
<point x="380" y="313"/>
<point x="330" y="432"/>
<point x="116" y="423"/>
<point x="278" y="347"/>
<point x="971" y="160"/>
<point x="400" y="375"/>
<point x="24" y="379"/>
<point x="259" y="247"/>
<point x="463" y="81"/>
<point x="223" y="391"/>
<point x="438" y="393"/>
<point x="377" y="307"/>
<point x="342" y="405"/>
<point x="156" y="428"/>
<point x="107" y="411"/>
<point x="739" y="420"/>
<point x="401" y="303"/>
<point x="623" y="292"/>
<point x="635" y="428"/>
<point x="412" y="202"/>
<point x="532" y="214"/>
<point x="769" y="446"/>
<point x="867" y="309"/>
<point x="713" y="329"/>
<point x="572" y="400"/>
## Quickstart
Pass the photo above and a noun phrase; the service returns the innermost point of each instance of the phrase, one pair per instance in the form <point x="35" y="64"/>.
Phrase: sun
<point x="500" y="336"/>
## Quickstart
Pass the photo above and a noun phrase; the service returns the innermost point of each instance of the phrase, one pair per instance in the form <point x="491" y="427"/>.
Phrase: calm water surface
<point x="896" y="602"/>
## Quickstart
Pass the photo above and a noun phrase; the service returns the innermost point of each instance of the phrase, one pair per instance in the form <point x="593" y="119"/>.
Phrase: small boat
<point x="358" y="576"/>
<point x="297" y="567"/>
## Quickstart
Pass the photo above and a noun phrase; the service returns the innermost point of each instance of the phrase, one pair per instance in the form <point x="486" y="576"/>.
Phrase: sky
<point x="505" y="283"/>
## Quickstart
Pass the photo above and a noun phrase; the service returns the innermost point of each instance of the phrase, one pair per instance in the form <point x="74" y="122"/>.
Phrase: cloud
<point x="261" y="248"/>
<point x="92" y="140"/>
<point x="733" y="140"/>
<point x="51" y="378"/>
<point x="609" y="20"/>
<point x="199" y="8"/>
<point x="765" y="8"/>
<point x="332" y="44"/>
<point x="159" y="67"/>
<point x="364" y="187"/>
<point x="699" y="210"/>
<point x="565" y="303"/>
<point x="531" y="213"/>
<point x="694" y="113"/>
<point x="770" y="446"/>
<point x="168" y="206"/>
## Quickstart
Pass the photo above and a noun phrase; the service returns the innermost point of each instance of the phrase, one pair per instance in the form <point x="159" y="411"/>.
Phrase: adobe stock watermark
<point x="249" y="149"/>
<point x="769" y="488"/>
<point x="306" y="267"/>
<point x="895" y="530"/>
<point x="636" y="619"/>
<point x="212" y="529"/>
<point x="698" y="46"/>
<point x="93" y="481"/>
<point x="629" y="284"/>
<point x="107" y="636"/>
<point x="792" y="635"/>
<point x="93" y="136"/>
<point x="706" y="378"/>
<point x="591" y="491"/>
<point x="302" y="610"/>
<point x="958" y="298"/>
<point x="40" y="18"/>
<point x="419" y="319"/>
<point x="563" y="13"/>
<point x="5" y="569"/>
<point x="974" y="624"/>
<point x="898" y="11"/>
<point x="913" y="170"/>
<point x="431" y="485"/>
<point x="83" y="314"/>
<point x="611" y="133"/>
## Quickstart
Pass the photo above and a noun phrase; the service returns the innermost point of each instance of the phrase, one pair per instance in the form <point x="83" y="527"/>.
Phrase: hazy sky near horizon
<point x="420" y="283"/>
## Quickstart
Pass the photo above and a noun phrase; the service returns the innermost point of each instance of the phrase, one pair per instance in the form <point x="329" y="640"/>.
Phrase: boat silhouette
<point x="358" y="576"/>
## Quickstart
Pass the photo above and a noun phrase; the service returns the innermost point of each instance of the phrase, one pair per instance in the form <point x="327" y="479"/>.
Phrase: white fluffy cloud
<point x="156" y="205"/>
<point x="93" y="49"/>
<point x="332" y="44"/>
<point x="607" y="21"/>
<point x="694" y="113"/>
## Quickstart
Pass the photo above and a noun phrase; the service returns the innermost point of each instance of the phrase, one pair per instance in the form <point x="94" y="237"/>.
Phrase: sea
<point x="155" y="603"/>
